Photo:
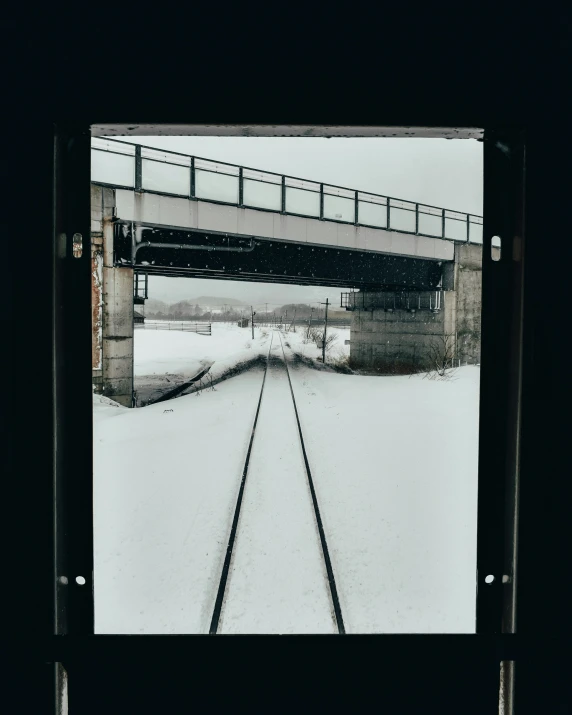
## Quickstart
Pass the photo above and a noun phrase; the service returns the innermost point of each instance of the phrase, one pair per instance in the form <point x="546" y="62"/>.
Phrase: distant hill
<point x="202" y="300"/>
<point x="154" y="306"/>
<point x="214" y="302"/>
<point x="197" y="308"/>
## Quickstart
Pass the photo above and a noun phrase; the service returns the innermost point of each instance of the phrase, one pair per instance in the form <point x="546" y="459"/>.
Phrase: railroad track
<point x="299" y="486"/>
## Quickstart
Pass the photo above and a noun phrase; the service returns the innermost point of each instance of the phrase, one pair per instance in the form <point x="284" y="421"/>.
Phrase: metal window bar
<point x="141" y="285"/>
<point x="193" y="178"/>
<point x="110" y="151"/>
<point x="138" y="168"/>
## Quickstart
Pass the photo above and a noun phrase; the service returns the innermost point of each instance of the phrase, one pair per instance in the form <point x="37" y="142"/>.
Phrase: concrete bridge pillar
<point x="463" y="277"/>
<point x="404" y="332"/>
<point x="112" y="303"/>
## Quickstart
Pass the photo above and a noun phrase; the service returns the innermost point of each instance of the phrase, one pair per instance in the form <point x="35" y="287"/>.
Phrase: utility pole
<point x="252" y="314"/>
<point x="266" y="314"/>
<point x="292" y="323"/>
<point x="325" y="329"/>
<point x="309" y="323"/>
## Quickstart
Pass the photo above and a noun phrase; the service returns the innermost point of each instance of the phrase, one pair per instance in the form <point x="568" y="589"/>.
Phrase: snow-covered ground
<point x="336" y="351"/>
<point x="166" y="482"/>
<point x="278" y="581"/>
<point x="184" y="353"/>
<point x="394" y="462"/>
<point x="164" y="359"/>
<point x="176" y="352"/>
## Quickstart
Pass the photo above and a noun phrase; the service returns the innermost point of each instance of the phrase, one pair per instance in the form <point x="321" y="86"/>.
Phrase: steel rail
<point x="325" y="551"/>
<point x="233" y="529"/>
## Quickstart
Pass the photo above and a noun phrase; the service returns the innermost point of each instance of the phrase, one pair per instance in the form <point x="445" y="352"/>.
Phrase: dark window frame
<point x="500" y="401"/>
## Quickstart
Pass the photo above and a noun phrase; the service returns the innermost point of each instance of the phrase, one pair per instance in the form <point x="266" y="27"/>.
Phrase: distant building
<point x="138" y="317"/>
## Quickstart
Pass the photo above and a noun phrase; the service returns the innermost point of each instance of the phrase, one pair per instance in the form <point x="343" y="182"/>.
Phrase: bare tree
<point x="316" y="335"/>
<point x="441" y="358"/>
<point x="330" y="340"/>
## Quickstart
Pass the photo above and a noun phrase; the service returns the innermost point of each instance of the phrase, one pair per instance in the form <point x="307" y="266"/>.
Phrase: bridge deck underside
<point x="263" y="260"/>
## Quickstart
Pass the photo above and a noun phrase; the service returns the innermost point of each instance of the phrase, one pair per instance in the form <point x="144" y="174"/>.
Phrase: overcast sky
<point x="440" y="172"/>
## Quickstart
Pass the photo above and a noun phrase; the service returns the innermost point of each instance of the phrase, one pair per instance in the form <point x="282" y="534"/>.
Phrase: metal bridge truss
<point x="169" y="251"/>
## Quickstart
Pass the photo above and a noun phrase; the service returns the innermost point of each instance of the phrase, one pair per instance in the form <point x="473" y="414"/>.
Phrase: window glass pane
<point x="339" y="208"/>
<point x="456" y="228"/>
<point x="401" y="219"/>
<point x="300" y="201"/>
<point x="430" y="221"/>
<point x="327" y="374"/>
<point x="167" y="178"/>
<point x="263" y="195"/>
<point x="109" y="168"/>
<point x="371" y="214"/>
<point x="218" y="187"/>
<point x="476" y="232"/>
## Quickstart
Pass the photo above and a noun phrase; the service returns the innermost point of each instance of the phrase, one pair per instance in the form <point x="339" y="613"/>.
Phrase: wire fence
<point x="185" y="326"/>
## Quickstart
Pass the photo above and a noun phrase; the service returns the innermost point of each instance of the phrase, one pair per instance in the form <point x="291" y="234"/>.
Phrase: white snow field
<point x="165" y="489"/>
<point x="165" y="359"/>
<point x="159" y="352"/>
<point x="337" y="351"/>
<point x="394" y="464"/>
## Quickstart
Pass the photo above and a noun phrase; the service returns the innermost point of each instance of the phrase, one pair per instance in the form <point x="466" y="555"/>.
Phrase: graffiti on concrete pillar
<point x="96" y="306"/>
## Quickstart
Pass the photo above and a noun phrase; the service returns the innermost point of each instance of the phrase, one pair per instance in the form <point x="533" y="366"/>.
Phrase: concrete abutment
<point x="112" y="306"/>
<point x="404" y="332"/>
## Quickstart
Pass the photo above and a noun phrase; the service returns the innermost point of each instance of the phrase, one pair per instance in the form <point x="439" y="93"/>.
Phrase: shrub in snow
<point x="441" y="357"/>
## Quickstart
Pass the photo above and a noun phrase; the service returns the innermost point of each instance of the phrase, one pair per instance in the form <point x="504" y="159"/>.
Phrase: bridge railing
<point x="133" y="166"/>
<point x="393" y="300"/>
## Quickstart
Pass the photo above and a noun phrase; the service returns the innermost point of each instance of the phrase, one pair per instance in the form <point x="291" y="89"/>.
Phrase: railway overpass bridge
<point x="158" y="212"/>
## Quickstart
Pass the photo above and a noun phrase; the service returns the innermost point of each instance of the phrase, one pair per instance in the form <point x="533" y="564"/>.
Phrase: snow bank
<point x="338" y="350"/>
<point x="176" y="352"/>
<point x="166" y="359"/>
<point x="103" y="407"/>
